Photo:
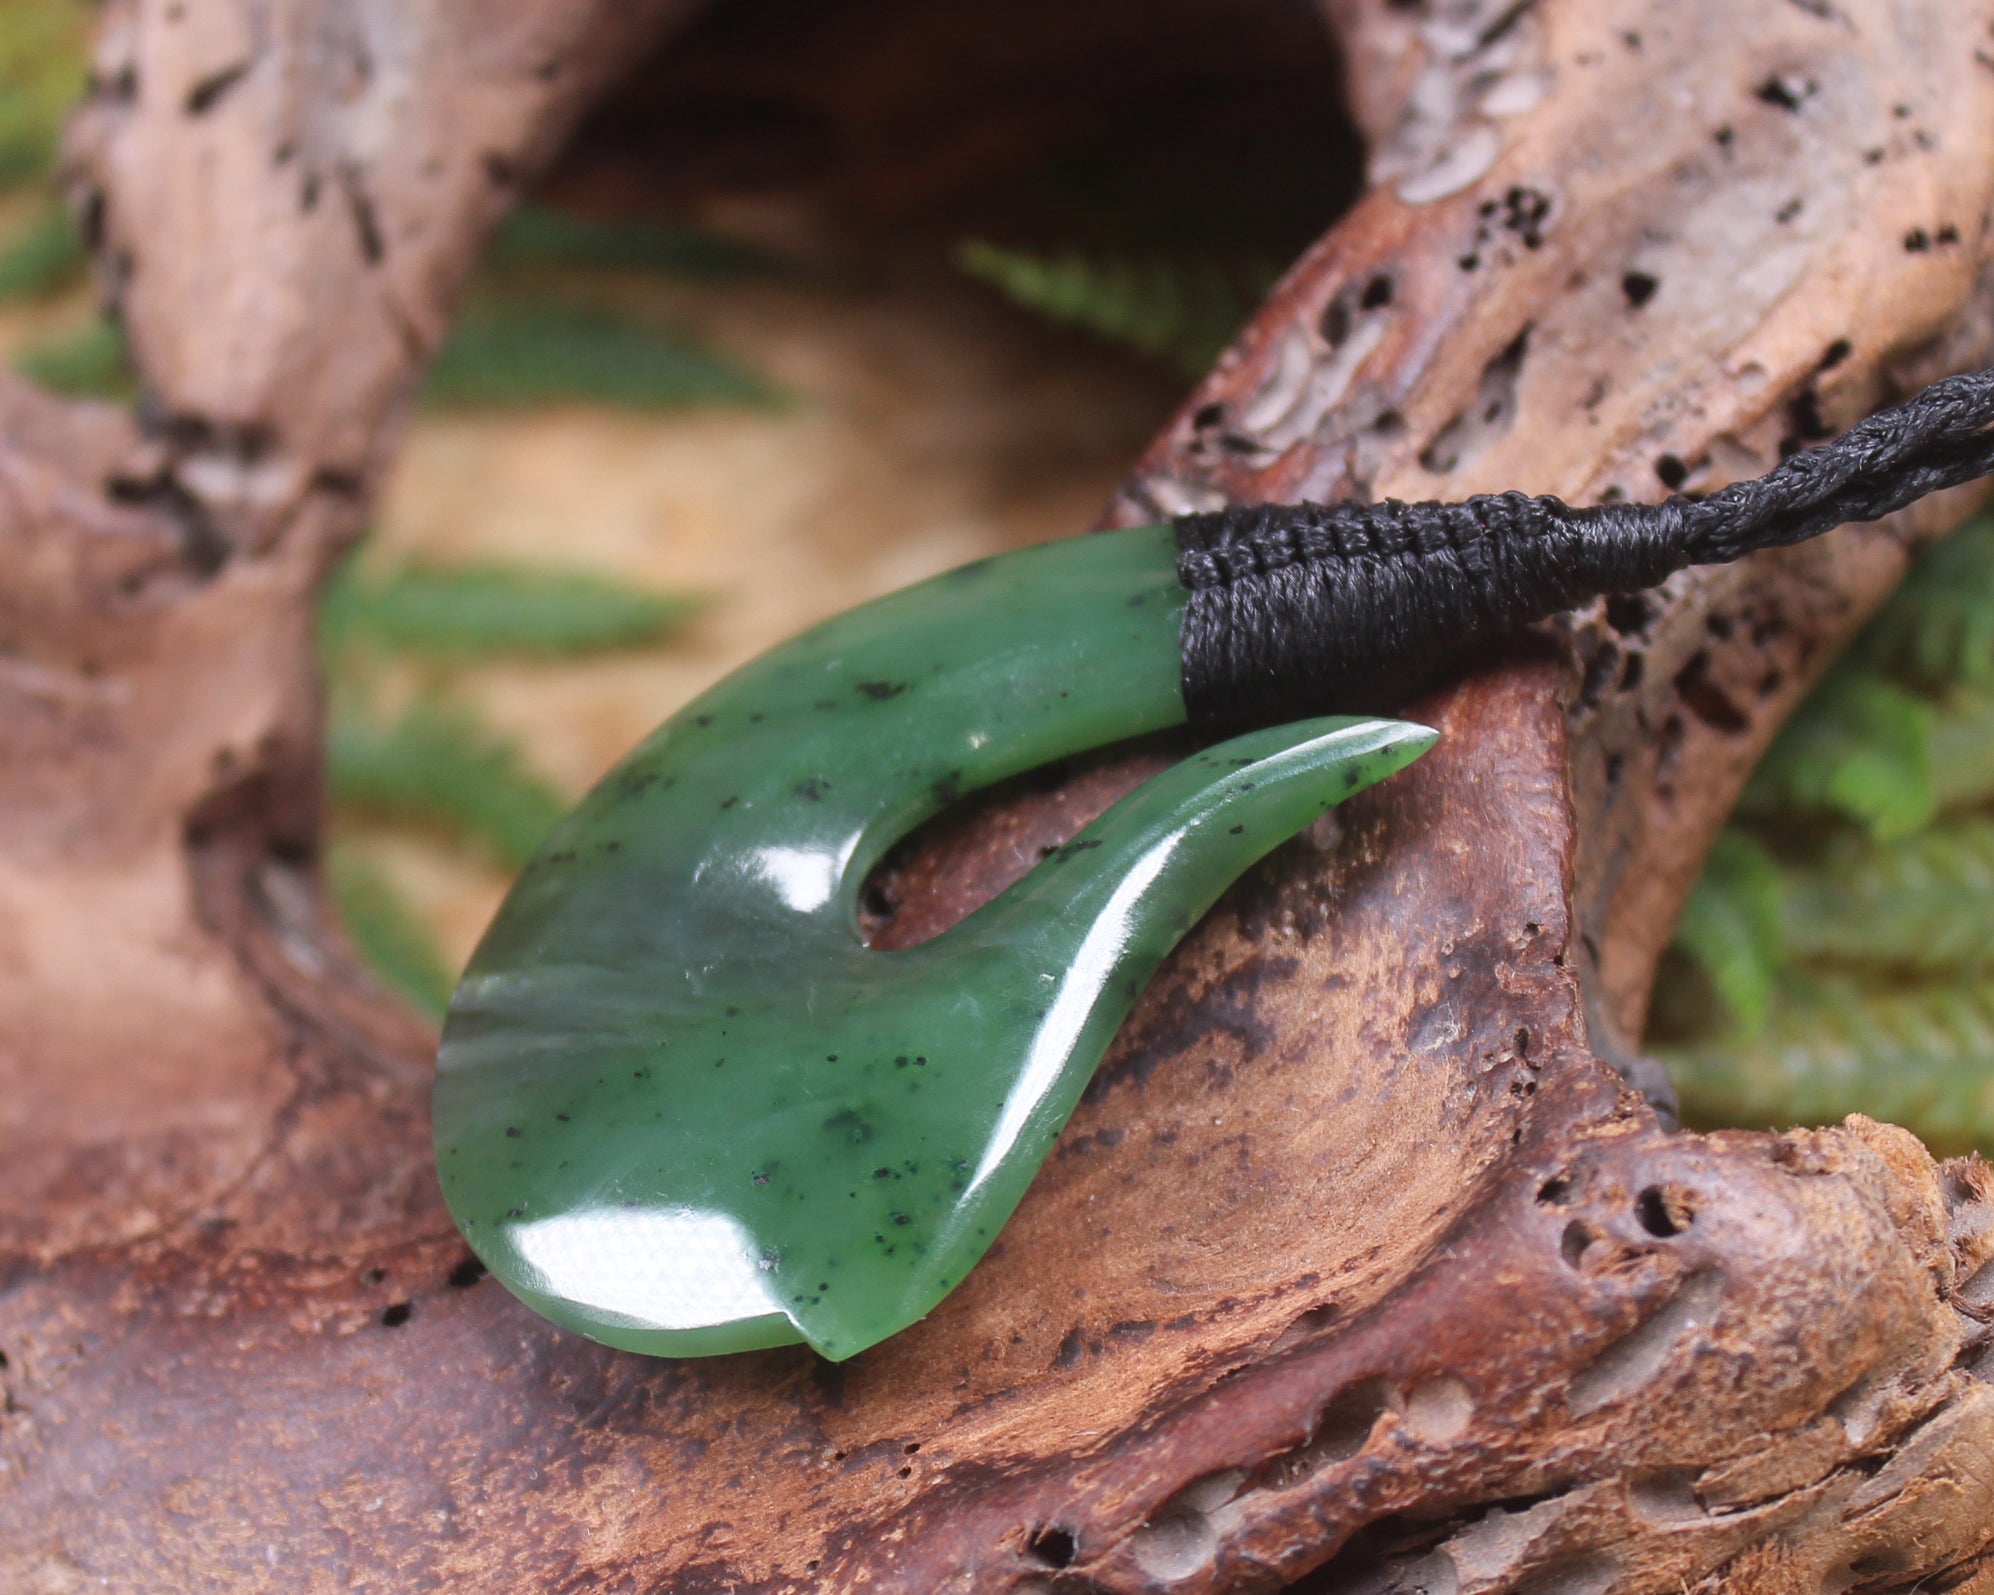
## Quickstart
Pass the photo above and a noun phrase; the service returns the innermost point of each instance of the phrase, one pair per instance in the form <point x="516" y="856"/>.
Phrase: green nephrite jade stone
<point x="681" y="1108"/>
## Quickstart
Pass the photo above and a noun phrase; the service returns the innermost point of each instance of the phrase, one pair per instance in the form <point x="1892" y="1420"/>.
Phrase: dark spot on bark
<point x="1377" y="292"/>
<point x="1705" y="699"/>
<point x="205" y="95"/>
<point x="466" y="1274"/>
<point x="1786" y="90"/>
<point x="1639" y="288"/>
<point x="1052" y="1546"/>
<point x="1671" y="470"/>
<point x="397" y="1315"/>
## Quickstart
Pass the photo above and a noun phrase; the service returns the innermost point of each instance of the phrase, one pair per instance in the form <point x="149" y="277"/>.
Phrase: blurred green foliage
<point x="388" y="934"/>
<point x="466" y="612"/>
<point x="42" y="256"/>
<point x="1183" y="312"/>
<point x="433" y="765"/>
<point x="1838" y="953"/>
<point x="88" y="363"/>
<point x="42" y="71"/>
<point x="541" y="236"/>
<point x="510" y="353"/>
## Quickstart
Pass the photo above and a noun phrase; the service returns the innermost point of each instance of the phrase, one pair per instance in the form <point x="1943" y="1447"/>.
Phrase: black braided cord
<point x="1295" y="608"/>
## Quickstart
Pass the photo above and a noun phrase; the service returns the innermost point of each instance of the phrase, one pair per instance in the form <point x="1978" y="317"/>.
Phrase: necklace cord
<point x="1294" y="607"/>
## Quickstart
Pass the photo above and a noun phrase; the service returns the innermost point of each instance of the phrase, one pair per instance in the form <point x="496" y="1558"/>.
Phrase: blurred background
<point x="828" y="299"/>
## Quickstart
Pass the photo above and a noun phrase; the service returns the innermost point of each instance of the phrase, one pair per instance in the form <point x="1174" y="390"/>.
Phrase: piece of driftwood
<point x="1360" y="1266"/>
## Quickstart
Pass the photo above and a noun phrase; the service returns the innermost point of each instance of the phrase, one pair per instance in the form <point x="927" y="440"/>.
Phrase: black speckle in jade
<point x="739" y="1127"/>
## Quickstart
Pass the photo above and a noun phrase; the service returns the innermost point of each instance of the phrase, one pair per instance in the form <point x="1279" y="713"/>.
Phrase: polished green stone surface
<point x="682" y="1109"/>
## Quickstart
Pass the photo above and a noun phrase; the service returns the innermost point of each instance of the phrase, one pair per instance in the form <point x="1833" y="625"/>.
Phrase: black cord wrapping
<point x="1294" y="608"/>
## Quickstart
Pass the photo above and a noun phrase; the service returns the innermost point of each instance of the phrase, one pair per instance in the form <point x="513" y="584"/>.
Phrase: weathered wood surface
<point x="1358" y="1265"/>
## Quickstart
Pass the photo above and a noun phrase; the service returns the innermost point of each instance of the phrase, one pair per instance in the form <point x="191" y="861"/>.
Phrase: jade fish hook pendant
<point x="682" y="1109"/>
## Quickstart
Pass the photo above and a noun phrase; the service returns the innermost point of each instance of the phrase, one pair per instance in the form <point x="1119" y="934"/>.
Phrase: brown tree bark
<point x="1361" y="1264"/>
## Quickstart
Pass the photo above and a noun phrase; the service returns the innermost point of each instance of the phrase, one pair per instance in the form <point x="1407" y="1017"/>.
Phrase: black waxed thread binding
<point x="1297" y="607"/>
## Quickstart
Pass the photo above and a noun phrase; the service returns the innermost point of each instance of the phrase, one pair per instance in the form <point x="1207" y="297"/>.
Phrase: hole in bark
<point x="1052" y="1546"/>
<point x="1179" y="1537"/>
<point x="466" y="1274"/>
<point x="397" y="1315"/>
<point x="1630" y="614"/>
<point x="1600" y="670"/>
<point x="1377" y="293"/>
<point x="1554" y="1190"/>
<point x="1671" y="470"/>
<point x="1174" y="1547"/>
<point x="1665" y="1210"/>
<point x="1665" y="1496"/>
<point x="1439" y="1409"/>
<point x="205" y="95"/>
<point x="1787" y="90"/>
<point x="1305" y="1326"/>
<point x="1578" y="1238"/>
<point x="1343" y="1430"/>
<point x="1835" y="354"/>
<point x="1635" y="1358"/>
<point x="1639" y="288"/>
<point x="1705" y="699"/>
<point x="1336" y="321"/>
<point x="1207" y="416"/>
<point x="1488" y="418"/>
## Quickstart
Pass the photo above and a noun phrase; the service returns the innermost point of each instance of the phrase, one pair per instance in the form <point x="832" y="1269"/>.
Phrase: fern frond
<point x="41" y="257"/>
<point x="1860" y="746"/>
<point x="478" y="611"/>
<point x="1923" y="903"/>
<point x="387" y="933"/>
<point x="503" y="355"/>
<point x="436" y="766"/>
<point x="89" y="364"/>
<point x="1939" y="626"/>
<point x="539" y="235"/>
<point x="1923" y="1058"/>
<point x="1732" y="925"/>
<point x="1183" y="311"/>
